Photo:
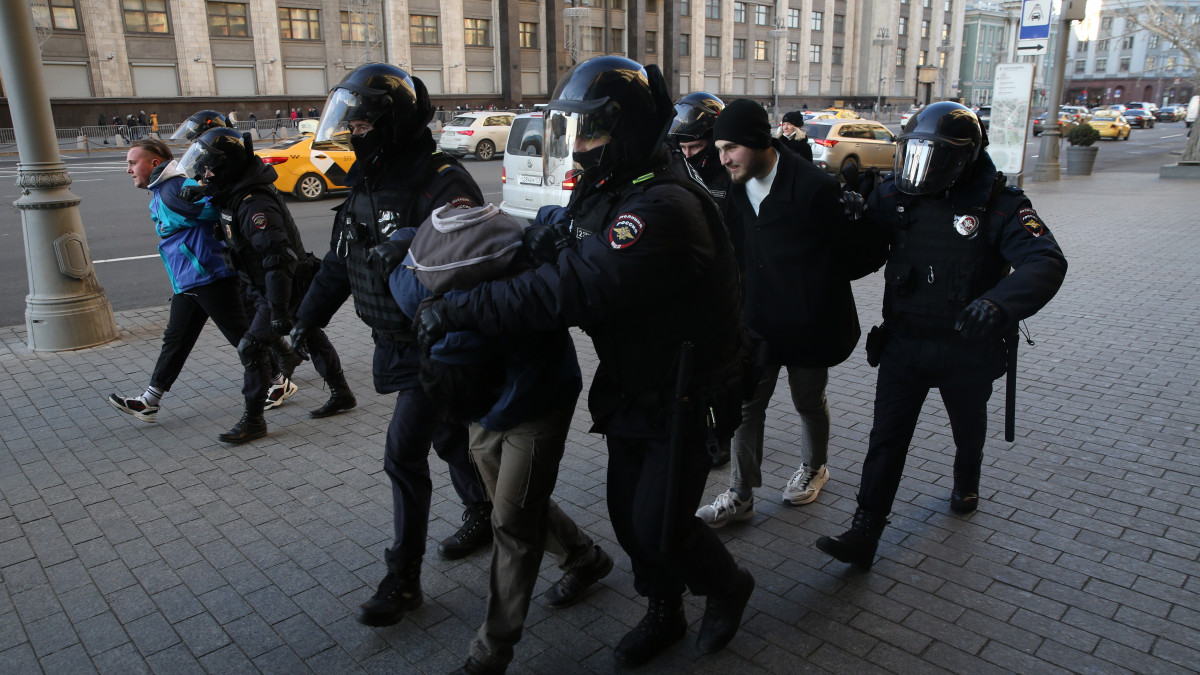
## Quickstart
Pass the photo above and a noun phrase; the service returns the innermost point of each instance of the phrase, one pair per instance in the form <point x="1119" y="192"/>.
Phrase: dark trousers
<point x="417" y="423"/>
<point x="324" y="357"/>
<point x="908" y="368"/>
<point x="637" y="477"/>
<point x="190" y="310"/>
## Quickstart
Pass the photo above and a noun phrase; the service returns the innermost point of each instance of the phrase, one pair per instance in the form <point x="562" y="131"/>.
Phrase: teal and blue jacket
<point x="189" y="249"/>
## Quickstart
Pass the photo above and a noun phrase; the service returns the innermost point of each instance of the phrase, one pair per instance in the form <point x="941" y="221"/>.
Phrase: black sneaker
<point x="574" y="583"/>
<point x="663" y="625"/>
<point x="137" y="407"/>
<point x="476" y="531"/>
<point x="723" y="614"/>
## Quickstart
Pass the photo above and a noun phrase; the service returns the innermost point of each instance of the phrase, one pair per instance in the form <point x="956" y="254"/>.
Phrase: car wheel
<point x="485" y="150"/>
<point x="849" y="163"/>
<point x="310" y="187"/>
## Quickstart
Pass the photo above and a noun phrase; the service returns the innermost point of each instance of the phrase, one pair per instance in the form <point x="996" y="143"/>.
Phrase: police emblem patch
<point x="259" y="220"/>
<point x="626" y="231"/>
<point x="967" y="226"/>
<point x="1031" y="222"/>
<point x="461" y="203"/>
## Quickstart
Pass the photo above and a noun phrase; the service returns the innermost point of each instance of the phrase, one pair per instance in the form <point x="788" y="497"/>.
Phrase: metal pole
<point x="66" y="307"/>
<point x="1047" y="168"/>
<point x="883" y="39"/>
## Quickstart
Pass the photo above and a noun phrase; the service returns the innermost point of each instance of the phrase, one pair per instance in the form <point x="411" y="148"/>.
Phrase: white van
<point x="530" y="179"/>
<point x="1193" y="111"/>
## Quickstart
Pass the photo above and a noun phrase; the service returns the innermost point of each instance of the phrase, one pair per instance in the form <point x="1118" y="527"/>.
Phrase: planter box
<point x="1081" y="159"/>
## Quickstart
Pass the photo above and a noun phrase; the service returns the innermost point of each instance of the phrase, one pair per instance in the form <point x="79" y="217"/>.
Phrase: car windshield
<point x="461" y="122"/>
<point x="287" y="143"/>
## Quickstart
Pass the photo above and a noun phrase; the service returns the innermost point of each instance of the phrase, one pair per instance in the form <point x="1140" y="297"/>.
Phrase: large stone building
<point x="260" y="55"/>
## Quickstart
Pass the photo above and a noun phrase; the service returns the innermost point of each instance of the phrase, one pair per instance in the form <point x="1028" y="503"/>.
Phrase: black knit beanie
<point x="744" y="122"/>
<point x="795" y="118"/>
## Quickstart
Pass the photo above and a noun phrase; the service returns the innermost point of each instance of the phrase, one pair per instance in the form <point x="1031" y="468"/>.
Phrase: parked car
<point x="814" y="115"/>
<point x="985" y="116"/>
<point x="528" y="179"/>
<point x="843" y="113"/>
<point x="1139" y="118"/>
<point x="477" y="133"/>
<point x="1111" y="124"/>
<point x="1079" y="113"/>
<point x="907" y="114"/>
<point x="837" y="144"/>
<point x="1066" y="122"/>
<point x="1144" y="105"/>
<point x="309" y="169"/>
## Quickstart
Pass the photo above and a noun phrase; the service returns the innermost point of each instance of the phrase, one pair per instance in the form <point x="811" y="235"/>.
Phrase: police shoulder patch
<point x="259" y="220"/>
<point x="461" y="203"/>
<point x="625" y="231"/>
<point x="1030" y="221"/>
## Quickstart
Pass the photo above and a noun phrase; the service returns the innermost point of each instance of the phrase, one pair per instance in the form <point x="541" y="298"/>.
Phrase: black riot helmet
<point x="219" y="158"/>
<point x="936" y="147"/>
<point x="695" y="116"/>
<point x="199" y="123"/>
<point x="395" y="104"/>
<point x="615" y="100"/>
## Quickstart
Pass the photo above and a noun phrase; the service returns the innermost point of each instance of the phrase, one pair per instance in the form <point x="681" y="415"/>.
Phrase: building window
<point x="1127" y="42"/>
<point x="739" y="12"/>
<point x="712" y="10"/>
<point x="922" y="57"/>
<point x="59" y="14"/>
<point x="949" y="7"/>
<point x="1106" y="23"/>
<point x="793" y="52"/>
<point x="651" y="42"/>
<point x="685" y="44"/>
<point x="839" y="24"/>
<point x="835" y="56"/>
<point x="1081" y="47"/>
<point x="298" y="23"/>
<point x="1080" y="65"/>
<point x="762" y="15"/>
<point x="793" y="18"/>
<point x="423" y="29"/>
<point x="227" y="19"/>
<point x="618" y="40"/>
<point x="528" y="35"/>
<point x="818" y="21"/>
<point x="354" y="29"/>
<point x="712" y="47"/>
<point x="617" y="4"/>
<point x="1153" y="43"/>
<point x="145" y="16"/>
<point x="927" y="4"/>
<point x="900" y="56"/>
<point x="1123" y="66"/>
<point x="685" y="8"/>
<point x="1103" y="45"/>
<point x="1170" y="62"/>
<point x="739" y="48"/>
<point x="760" y="50"/>
<point x="945" y="31"/>
<point x="652" y="6"/>
<point x="478" y="32"/>
<point x="593" y="39"/>
<point x="925" y="29"/>
<point x="1149" y="63"/>
<point x="814" y="53"/>
<point x="903" y="29"/>
<point x="1101" y="65"/>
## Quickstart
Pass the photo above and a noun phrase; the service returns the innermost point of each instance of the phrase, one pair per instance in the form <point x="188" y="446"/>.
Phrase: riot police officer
<point x="397" y="180"/>
<point x="264" y="246"/>
<point x="653" y="279"/>
<point x="199" y="122"/>
<point x="691" y="130"/>
<point x="953" y="231"/>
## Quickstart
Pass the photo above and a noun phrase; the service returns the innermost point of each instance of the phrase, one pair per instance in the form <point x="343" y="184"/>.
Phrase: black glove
<point x="978" y="319"/>
<point x="854" y="205"/>
<point x="300" y="335"/>
<point x="249" y="351"/>
<point x="432" y="325"/>
<point x="193" y="193"/>
<point x="543" y="242"/>
<point x="385" y="257"/>
<point x="281" y="323"/>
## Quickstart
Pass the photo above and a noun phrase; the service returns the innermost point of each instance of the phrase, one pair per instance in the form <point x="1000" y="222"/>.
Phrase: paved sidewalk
<point x="127" y="547"/>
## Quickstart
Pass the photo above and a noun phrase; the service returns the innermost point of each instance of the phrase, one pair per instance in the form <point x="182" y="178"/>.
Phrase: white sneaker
<point x="136" y="406"/>
<point x="804" y="485"/>
<point x="278" y="393"/>
<point x="726" y="509"/>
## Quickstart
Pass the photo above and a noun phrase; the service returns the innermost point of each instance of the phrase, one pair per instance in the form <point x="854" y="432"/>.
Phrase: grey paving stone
<point x="50" y="634"/>
<point x="151" y="633"/>
<point x="101" y="633"/>
<point x="73" y="659"/>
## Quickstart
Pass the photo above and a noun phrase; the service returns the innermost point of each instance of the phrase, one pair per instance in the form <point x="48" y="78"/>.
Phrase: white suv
<point x="476" y="133"/>
<point x="529" y="180"/>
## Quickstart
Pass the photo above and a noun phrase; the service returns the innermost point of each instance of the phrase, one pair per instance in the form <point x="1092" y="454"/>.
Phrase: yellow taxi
<point x="844" y="113"/>
<point x="306" y="169"/>
<point x="1110" y="124"/>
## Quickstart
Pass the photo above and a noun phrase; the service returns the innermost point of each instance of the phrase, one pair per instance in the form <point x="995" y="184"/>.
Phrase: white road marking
<point x="136" y="257"/>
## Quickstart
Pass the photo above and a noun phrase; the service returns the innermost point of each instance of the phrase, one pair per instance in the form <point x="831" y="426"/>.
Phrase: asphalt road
<point x="123" y="246"/>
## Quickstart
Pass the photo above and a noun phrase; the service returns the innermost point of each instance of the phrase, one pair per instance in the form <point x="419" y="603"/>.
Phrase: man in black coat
<point x="796" y="250"/>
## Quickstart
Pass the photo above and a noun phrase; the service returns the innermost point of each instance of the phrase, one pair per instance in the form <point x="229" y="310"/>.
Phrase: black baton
<point x="1010" y="390"/>
<point x="679" y="424"/>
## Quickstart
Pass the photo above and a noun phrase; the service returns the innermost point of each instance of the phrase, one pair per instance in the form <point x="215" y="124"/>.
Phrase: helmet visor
<point x="189" y="130"/>
<point x="690" y="123"/>
<point x="344" y="107"/>
<point x="199" y="161"/>
<point x="925" y="166"/>
<point x="564" y="129"/>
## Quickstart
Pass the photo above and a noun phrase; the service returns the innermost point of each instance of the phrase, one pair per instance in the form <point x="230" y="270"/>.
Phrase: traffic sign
<point x="1034" y="34"/>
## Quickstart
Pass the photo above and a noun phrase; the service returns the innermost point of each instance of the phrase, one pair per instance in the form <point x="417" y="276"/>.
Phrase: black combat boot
<point x="340" y="397"/>
<point x="285" y="358"/>
<point x="856" y="545"/>
<point x="251" y="426"/>
<point x="473" y="667"/>
<point x="964" y="498"/>
<point x="476" y="531"/>
<point x="399" y="592"/>
<point x="723" y="614"/>
<point x="663" y="626"/>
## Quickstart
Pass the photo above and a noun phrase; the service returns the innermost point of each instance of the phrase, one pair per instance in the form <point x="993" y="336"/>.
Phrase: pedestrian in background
<point x="791" y="136"/>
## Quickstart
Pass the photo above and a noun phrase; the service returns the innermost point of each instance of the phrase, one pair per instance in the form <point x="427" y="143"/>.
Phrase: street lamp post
<point x="777" y="34"/>
<point x="944" y="50"/>
<point x="882" y="40"/>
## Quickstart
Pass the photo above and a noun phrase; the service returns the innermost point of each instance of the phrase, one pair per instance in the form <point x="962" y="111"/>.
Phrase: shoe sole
<point x="339" y="411"/>
<point x="384" y="622"/>
<point x="148" y="419"/>
<point x="287" y="393"/>
<point x="740" y="518"/>
<point x="792" y="501"/>
<point x="239" y="441"/>
<point x="860" y="564"/>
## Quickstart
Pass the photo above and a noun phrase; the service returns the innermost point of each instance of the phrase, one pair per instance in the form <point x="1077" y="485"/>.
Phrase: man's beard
<point x="755" y="166"/>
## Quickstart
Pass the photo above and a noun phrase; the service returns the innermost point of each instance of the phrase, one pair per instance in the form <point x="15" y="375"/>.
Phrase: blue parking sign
<point x="1035" y="20"/>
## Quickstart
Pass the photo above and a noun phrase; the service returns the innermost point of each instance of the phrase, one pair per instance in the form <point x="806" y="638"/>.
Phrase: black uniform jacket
<point x="798" y="256"/>
<point x="265" y="246"/>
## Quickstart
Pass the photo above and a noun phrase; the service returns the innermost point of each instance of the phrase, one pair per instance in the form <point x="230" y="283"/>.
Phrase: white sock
<point x="153" y="395"/>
